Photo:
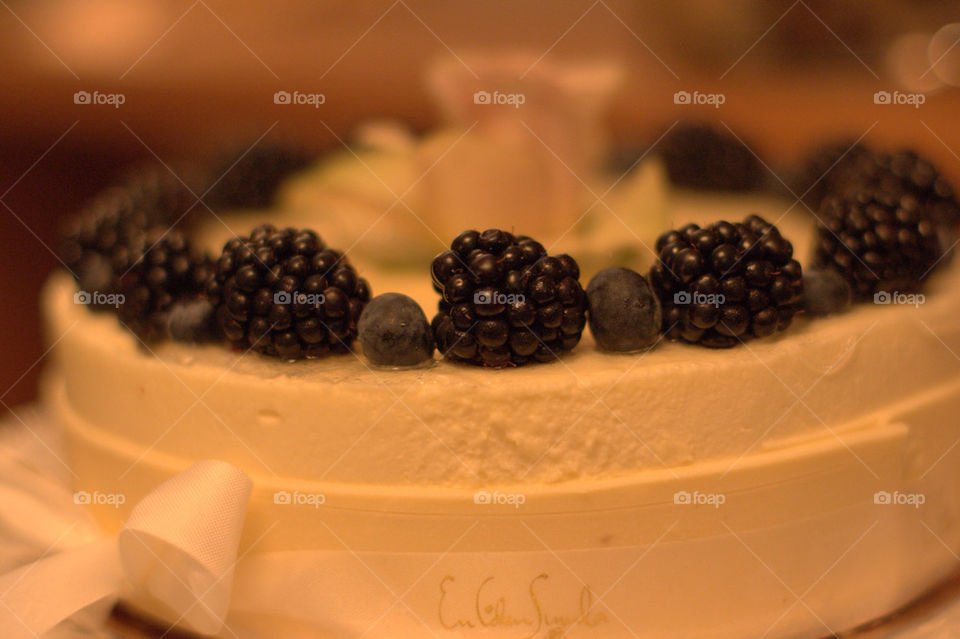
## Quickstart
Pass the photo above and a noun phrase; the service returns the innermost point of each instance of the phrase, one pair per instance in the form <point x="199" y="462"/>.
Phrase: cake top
<point x="510" y="292"/>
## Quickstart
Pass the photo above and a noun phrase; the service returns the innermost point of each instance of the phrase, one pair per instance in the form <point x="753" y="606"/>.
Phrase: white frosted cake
<point x="795" y="485"/>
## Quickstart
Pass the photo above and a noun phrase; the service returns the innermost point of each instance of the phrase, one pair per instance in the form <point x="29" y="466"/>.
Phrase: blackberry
<point x="163" y="269"/>
<point x="700" y="156"/>
<point x="726" y="283"/>
<point x="505" y="302"/>
<point x="844" y="170"/>
<point x="101" y="242"/>
<point x="920" y="177"/>
<point x="284" y="293"/>
<point x="829" y="167"/>
<point x="253" y="180"/>
<point x="879" y="239"/>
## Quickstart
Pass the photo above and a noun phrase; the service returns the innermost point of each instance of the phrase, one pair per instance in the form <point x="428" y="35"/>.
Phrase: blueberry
<point x="624" y="311"/>
<point x="191" y="321"/>
<point x="826" y="291"/>
<point x="394" y="331"/>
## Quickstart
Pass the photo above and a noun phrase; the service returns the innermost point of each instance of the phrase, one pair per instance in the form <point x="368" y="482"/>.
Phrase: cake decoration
<point x="284" y="293"/>
<point x="394" y="331"/>
<point x="843" y="169"/>
<point x="701" y="156"/>
<point x="826" y="168"/>
<point x="540" y="167"/>
<point x="101" y="241"/>
<point x="726" y="283"/>
<point x="624" y="312"/>
<point x="879" y="239"/>
<point x="920" y="177"/>
<point x="505" y="302"/>
<point x="885" y="221"/>
<point x="825" y="292"/>
<point x="192" y="321"/>
<point x="163" y="268"/>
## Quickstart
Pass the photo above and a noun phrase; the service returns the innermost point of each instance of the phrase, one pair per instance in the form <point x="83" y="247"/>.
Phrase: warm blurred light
<point x="105" y="35"/>
<point x="908" y="63"/>
<point x="944" y="54"/>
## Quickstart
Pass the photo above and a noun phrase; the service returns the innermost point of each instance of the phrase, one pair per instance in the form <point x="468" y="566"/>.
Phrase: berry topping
<point x="726" y="283"/>
<point x="920" y="177"/>
<point x="624" y="311"/>
<point x="192" y="321"/>
<point x="394" y="331"/>
<point x="252" y="180"/>
<point x="284" y="293"/>
<point x="102" y="241"/>
<point x="163" y="269"/>
<point x="505" y="302"/>
<point x="826" y="292"/>
<point x="828" y="168"/>
<point x="845" y="170"/>
<point x="878" y="239"/>
<point x="699" y="156"/>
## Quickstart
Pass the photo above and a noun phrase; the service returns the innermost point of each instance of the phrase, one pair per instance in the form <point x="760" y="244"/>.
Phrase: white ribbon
<point x="177" y="550"/>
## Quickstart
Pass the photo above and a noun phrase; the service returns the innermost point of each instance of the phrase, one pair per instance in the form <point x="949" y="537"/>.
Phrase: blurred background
<point x="189" y="76"/>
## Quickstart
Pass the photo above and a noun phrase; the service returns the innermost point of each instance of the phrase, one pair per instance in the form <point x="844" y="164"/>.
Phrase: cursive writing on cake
<point x="532" y="613"/>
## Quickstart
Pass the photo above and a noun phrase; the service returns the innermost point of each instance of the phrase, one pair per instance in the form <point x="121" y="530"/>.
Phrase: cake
<point x="799" y="483"/>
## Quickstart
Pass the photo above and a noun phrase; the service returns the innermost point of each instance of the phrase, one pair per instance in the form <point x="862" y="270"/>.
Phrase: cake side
<point x="594" y="415"/>
<point x="754" y="545"/>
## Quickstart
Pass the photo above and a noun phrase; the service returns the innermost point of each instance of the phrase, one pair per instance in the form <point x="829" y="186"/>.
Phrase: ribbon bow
<point x="177" y="549"/>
